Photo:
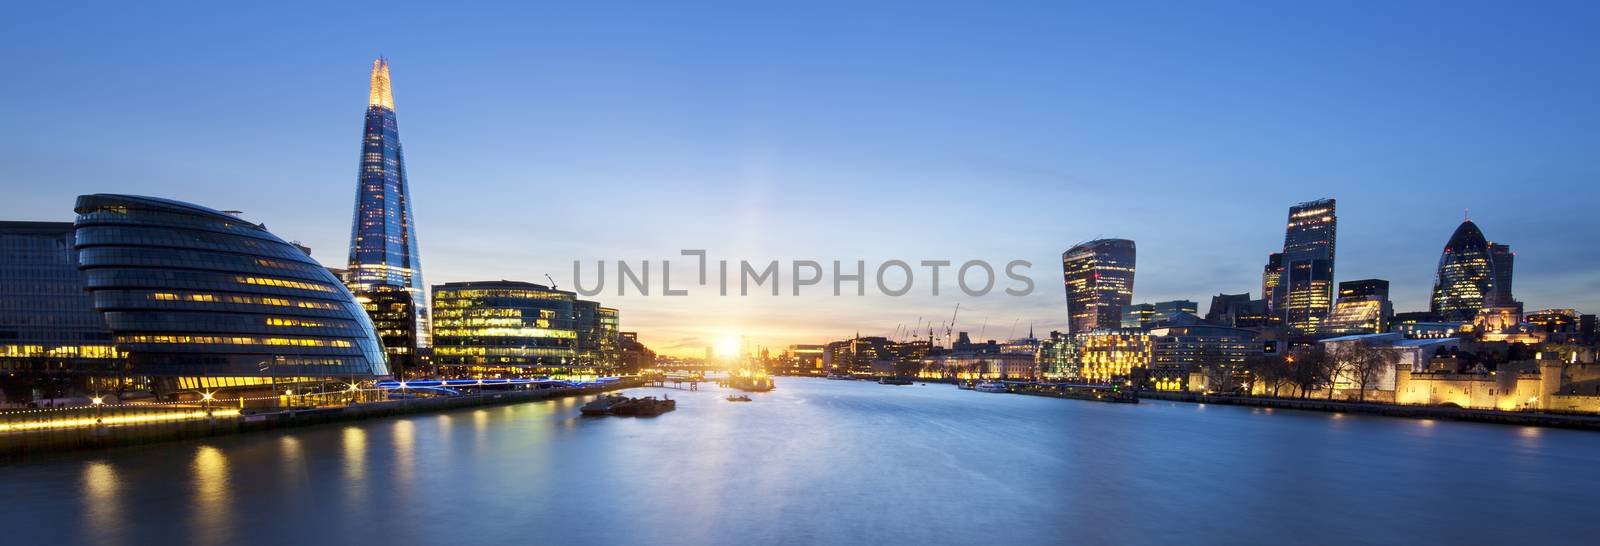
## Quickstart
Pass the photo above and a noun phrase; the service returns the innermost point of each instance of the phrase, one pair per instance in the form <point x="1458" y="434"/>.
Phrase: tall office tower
<point x="1099" y="282"/>
<point x="1503" y="259"/>
<point x="385" y="267"/>
<point x="1466" y="280"/>
<point x="1271" y="275"/>
<point x="1307" y="280"/>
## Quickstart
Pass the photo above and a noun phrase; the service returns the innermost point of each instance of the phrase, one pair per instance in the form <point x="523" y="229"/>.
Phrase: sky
<point x="536" y="135"/>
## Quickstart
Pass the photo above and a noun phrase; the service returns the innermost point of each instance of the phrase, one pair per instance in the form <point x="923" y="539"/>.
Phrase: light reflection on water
<point x="102" y="505"/>
<point x="829" y="462"/>
<point x="211" y="497"/>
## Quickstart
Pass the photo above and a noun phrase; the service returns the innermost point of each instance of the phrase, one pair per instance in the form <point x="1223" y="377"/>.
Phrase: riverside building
<point x="51" y="338"/>
<point x="200" y="299"/>
<point x="489" y="329"/>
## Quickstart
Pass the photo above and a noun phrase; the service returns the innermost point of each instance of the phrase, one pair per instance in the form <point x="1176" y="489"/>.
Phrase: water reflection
<point x="826" y="462"/>
<point x="290" y="458"/>
<point x="405" y="455"/>
<point x="480" y="430"/>
<point x="353" y="458"/>
<point x="102" y="506"/>
<point x="212" y="502"/>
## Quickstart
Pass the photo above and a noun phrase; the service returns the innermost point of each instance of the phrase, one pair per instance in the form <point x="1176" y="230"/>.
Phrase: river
<point x="829" y="462"/>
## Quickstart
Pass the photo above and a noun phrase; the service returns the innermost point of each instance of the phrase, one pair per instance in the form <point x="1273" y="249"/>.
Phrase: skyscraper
<point x="1503" y="259"/>
<point x="1271" y="275"/>
<point x="1469" y="276"/>
<point x="1307" y="280"/>
<point x="1099" y="282"/>
<point x="385" y="266"/>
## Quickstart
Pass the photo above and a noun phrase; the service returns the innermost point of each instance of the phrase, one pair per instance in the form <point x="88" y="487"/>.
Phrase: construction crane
<point x="951" y="326"/>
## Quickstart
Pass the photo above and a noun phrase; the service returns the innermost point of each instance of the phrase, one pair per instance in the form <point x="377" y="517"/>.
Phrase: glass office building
<point x="48" y="324"/>
<point x="1504" y="260"/>
<point x="1308" y="257"/>
<point x="199" y="295"/>
<point x="1363" y="308"/>
<point x="505" y="329"/>
<point x="385" y="268"/>
<point x="598" y="329"/>
<point x="1099" y="281"/>
<point x="1467" y="275"/>
<point x="1271" y="275"/>
<point x="1188" y="344"/>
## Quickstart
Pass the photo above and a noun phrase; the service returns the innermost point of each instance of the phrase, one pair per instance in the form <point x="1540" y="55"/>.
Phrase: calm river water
<point x="829" y="462"/>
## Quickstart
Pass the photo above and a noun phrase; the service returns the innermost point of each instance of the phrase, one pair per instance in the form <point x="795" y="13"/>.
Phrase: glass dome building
<point x="200" y="295"/>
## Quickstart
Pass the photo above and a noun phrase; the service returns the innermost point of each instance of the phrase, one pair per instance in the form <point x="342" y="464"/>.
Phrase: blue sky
<point x="537" y="135"/>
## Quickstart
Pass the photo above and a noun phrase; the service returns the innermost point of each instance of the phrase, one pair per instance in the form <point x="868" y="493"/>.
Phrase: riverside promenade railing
<point x="31" y="431"/>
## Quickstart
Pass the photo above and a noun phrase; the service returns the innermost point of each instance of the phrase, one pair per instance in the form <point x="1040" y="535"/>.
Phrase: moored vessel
<point x="990" y="386"/>
<point x="602" y="405"/>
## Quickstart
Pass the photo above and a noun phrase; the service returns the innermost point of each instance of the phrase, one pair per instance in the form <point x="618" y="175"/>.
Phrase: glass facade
<point x="385" y="266"/>
<point x="1467" y="275"/>
<point x="1181" y="349"/>
<point x="506" y="329"/>
<point x="1308" y="257"/>
<point x="47" y="321"/>
<point x="1105" y="356"/>
<point x="1363" y="308"/>
<point x="1271" y="275"/>
<point x="1504" y="260"/>
<point x="597" y="329"/>
<point x="1148" y="315"/>
<point x="192" y="292"/>
<point x="1099" y="282"/>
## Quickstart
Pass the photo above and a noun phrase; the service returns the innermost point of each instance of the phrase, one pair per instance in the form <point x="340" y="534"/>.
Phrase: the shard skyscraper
<point x="385" y="266"/>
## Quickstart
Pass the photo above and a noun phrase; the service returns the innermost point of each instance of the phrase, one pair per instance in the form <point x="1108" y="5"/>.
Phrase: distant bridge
<point x="452" y="386"/>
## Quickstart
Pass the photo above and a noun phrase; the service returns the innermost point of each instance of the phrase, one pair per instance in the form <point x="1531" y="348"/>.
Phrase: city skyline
<point x="727" y="183"/>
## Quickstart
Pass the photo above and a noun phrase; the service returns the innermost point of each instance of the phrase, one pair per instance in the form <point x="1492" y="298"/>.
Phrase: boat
<point x="602" y="405"/>
<point x="649" y="405"/>
<point x="990" y="386"/>
<point x="840" y="377"/>
<point x="894" y="381"/>
<point x="739" y="398"/>
<point x="964" y="385"/>
<point x="646" y="406"/>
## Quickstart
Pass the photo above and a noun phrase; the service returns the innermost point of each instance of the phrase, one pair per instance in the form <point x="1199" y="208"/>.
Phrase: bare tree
<point x="1220" y="378"/>
<point x="1363" y="363"/>
<point x="1308" y="367"/>
<point x="1270" y="370"/>
<point x="1332" y="366"/>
